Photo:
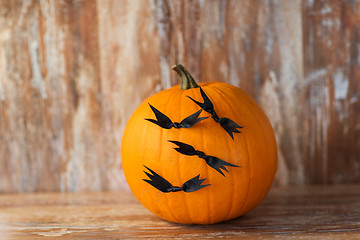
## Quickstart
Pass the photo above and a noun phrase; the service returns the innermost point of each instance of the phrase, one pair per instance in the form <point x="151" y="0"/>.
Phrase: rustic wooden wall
<point x="72" y="72"/>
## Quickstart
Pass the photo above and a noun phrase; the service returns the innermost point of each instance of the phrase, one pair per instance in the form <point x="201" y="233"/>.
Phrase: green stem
<point x="187" y="81"/>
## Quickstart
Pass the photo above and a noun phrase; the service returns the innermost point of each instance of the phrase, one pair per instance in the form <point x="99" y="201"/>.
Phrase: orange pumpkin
<point x="147" y="152"/>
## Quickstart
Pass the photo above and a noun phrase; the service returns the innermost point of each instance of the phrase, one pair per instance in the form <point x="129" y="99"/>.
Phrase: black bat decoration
<point x="214" y="162"/>
<point x="164" y="186"/>
<point x="163" y="121"/>
<point x="227" y="124"/>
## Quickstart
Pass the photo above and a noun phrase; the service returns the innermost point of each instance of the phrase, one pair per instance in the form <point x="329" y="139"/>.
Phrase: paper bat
<point x="214" y="162"/>
<point x="163" y="121"/>
<point x="164" y="186"/>
<point x="227" y="124"/>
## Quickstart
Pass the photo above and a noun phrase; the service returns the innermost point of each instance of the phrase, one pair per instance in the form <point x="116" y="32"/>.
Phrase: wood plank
<point x="313" y="212"/>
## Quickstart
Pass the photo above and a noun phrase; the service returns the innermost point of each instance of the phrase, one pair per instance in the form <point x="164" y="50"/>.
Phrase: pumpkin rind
<point x="226" y="198"/>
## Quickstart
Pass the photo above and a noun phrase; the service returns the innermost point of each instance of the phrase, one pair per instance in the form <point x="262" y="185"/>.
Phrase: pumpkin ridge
<point x="259" y="123"/>
<point x="145" y="129"/>
<point x="249" y="185"/>
<point x="170" y="210"/>
<point x="231" y="209"/>
<point x="186" y="203"/>
<point x="233" y="186"/>
<point x="262" y="130"/>
<point x="207" y="177"/>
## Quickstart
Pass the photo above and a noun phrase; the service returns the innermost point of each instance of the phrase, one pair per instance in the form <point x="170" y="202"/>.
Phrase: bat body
<point x="165" y="122"/>
<point x="164" y="186"/>
<point x="227" y="124"/>
<point x="214" y="162"/>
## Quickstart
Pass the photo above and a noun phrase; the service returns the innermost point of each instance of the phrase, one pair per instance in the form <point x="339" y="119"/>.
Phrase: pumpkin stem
<point x="187" y="81"/>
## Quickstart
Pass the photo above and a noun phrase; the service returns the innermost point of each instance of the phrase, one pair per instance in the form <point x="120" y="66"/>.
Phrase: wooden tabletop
<point x="313" y="212"/>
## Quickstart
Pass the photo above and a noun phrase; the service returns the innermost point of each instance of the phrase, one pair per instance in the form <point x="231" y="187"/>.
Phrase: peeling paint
<point x="2" y="95"/>
<point x="310" y="3"/>
<point x="2" y="75"/>
<point x="317" y="75"/>
<point x="163" y="26"/>
<point x="330" y="23"/>
<point x="5" y="35"/>
<point x="319" y="108"/>
<point x="38" y="79"/>
<point x="54" y="40"/>
<point x="341" y="85"/>
<point x="341" y="88"/>
<point x="354" y="100"/>
<point x="222" y="19"/>
<point x="269" y="41"/>
<point x="326" y="10"/>
<point x="233" y="71"/>
<point x="24" y="9"/>
<point x="165" y="72"/>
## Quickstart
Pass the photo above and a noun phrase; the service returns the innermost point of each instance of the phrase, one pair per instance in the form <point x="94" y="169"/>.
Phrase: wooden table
<point x="314" y="212"/>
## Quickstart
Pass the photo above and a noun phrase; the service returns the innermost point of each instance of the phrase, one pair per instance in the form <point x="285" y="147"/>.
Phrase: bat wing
<point x="207" y="105"/>
<point x="192" y="120"/>
<point x="161" y="119"/>
<point x="184" y="148"/>
<point x="157" y="181"/>
<point x="194" y="184"/>
<point x="229" y="126"/>
<point x="218" y="164"/>
<point x="197" y="102"/>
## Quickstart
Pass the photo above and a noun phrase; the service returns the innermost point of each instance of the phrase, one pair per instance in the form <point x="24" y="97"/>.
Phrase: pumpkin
<point x="175" y="143"/>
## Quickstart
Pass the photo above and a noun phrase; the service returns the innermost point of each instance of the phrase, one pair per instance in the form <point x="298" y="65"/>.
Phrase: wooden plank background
<point x="72" y="72"/>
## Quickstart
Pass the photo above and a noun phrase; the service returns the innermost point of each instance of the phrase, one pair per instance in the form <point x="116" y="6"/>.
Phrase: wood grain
<point x="313" y="212"/>
<point x="72" y="72"/>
